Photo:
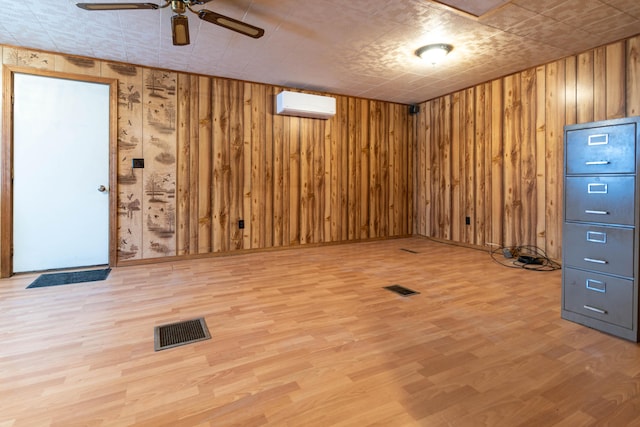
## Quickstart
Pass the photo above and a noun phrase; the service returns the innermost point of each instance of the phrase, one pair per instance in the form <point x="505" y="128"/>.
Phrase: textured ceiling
<point x="361" y="48"/>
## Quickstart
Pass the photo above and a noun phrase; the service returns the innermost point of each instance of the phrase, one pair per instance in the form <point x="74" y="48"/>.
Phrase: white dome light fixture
<point x="434" y="53"/>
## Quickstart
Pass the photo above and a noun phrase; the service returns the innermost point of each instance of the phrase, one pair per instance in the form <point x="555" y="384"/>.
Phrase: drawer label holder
<point x="596" y="285"/>
<point x="596" y="237"/>
<point x="597" y="188"/>
<point x="598" y="139"/>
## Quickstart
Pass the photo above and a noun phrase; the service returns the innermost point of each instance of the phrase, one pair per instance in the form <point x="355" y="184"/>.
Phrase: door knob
<point x="102" y="189"/>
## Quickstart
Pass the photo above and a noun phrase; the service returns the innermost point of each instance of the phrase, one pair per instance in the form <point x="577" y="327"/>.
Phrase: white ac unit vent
<point x="305" y="105"/>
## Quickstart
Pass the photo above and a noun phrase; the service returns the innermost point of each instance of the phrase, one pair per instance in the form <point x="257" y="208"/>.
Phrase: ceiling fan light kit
<point x="179" y="22"/>
<point x="180" y="30"/>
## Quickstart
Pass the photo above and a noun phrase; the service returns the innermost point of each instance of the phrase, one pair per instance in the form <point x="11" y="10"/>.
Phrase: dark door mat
<point x="55" y="279"/>
<point x="401" y="290"/>
<point x="181" y="333"/>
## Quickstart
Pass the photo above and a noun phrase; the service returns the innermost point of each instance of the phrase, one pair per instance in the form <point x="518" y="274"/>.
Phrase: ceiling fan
<point x="179" y="22"/>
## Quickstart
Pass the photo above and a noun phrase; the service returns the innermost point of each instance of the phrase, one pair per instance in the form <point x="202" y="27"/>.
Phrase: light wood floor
<point x="308" y="337"/>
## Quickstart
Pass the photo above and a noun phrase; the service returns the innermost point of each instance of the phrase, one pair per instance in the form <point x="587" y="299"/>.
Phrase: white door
<point x="61" y="160"/>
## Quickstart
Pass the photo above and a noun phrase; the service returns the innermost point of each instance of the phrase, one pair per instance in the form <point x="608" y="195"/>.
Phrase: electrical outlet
<point x="467" y="220"/>
<point x="241" y="224"/>
<point x="137" y="163"/>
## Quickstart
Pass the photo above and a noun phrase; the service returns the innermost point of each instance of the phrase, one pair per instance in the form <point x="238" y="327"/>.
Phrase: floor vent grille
<point x="181" y="333"/>
<point x="401" y="290"/>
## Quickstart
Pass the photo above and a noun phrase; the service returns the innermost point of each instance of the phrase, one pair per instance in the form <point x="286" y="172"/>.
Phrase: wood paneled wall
<point x="215" y="153"/>
<point x="494" y="152"/>
<point x="293" y="181"/>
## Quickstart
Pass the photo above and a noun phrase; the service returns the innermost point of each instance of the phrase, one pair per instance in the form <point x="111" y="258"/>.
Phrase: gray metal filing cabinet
<point x="600" y="239"/>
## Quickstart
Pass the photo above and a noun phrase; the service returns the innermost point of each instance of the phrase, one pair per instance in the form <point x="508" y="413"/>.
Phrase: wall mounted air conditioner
<point x="305" y="105"/>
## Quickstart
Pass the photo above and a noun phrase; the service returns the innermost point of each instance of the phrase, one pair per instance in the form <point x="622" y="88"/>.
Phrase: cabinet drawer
<point x="606" y="149"/>
<point x="605" y="199"/>
<point x="605" y="249"/>
<point x="599" y="296"/>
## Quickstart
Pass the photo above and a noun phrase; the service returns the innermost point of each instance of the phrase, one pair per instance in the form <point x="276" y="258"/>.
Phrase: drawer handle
<point x="596" y="237"/>
<point x="596" y="285"/>
<point x="596" y="261"/>
<point x="597" y="188"/>
<point x="598" y="139"/>
<point x="597" y="162"/>
<point x="597" y="310"/>
<point x="588" y="211"/>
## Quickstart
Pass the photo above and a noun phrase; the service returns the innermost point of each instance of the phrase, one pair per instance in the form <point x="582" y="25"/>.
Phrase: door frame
<point x="6" y="187"/>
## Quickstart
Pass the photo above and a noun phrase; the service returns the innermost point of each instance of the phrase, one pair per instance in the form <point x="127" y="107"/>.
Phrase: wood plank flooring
<point x="308" y="337"/>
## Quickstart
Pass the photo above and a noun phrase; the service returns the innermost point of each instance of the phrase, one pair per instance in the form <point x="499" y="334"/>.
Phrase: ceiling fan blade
<point x="231" y="24"/>
<point x="116" y="6"/>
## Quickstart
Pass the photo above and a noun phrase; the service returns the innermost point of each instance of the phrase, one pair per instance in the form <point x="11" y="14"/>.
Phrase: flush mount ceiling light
<point x="434" y="53"/>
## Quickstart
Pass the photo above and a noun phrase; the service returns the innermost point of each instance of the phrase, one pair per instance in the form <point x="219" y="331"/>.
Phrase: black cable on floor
<point x="527" y="257"/>
<point x="541" y="262"/>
